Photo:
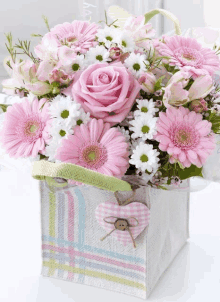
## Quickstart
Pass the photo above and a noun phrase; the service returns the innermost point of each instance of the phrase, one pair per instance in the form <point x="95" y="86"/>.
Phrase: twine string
<point x="128" y="225"/>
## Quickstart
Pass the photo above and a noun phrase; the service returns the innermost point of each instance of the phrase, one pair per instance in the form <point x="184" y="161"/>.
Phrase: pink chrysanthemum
<point x="185" y="136"/>
<point x="79" y="35"/>
<point x="188" y="54"/>
<point x="25" y="128"/>
<point x="97" y="147"/>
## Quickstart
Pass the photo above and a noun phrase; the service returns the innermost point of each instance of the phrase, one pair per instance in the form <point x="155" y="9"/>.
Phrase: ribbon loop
<point x="43" y="170"/>
<point x="167" y="14"/>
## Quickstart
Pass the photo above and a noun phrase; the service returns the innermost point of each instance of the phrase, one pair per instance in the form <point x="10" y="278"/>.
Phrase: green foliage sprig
<point x="24" y="47"/>
<point x="10" y="47"/>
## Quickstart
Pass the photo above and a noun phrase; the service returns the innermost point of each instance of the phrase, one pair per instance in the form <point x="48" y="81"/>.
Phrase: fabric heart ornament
<point x="123" y="222"/>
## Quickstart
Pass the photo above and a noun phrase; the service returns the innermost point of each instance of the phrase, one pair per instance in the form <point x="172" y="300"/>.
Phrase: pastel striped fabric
<point x="72" y="249"/>
<point x="134" y="209"/>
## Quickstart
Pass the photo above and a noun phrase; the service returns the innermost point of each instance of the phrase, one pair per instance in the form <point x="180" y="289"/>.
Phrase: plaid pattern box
<point x="72" y="249"/>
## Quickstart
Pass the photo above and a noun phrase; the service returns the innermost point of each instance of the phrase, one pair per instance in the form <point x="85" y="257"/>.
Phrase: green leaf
<point x="158" y="84"/>
<point x="171" y="69"/>
<point x="42" y="156"/>
<point x="215" y="120"/>
<point x="189" y="172"/>
<point x="4" y="107"/>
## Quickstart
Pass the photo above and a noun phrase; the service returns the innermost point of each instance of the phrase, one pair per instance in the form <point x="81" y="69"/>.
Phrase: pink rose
<point x="107" y="91"/>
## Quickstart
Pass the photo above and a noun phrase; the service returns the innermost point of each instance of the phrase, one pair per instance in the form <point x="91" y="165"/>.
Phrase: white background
<point x="195" y="273"/>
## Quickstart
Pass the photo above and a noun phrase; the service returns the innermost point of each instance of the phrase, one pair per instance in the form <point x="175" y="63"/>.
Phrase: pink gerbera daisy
<point x="79" y="35"/>
<point x="185" y="136"/>
<point x="25" y="128"/>
<point x="97" y="147"/>
<point x="188" y="54"/>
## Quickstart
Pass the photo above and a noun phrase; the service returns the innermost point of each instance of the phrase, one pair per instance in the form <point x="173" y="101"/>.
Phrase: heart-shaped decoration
<point x="110" y="217"/>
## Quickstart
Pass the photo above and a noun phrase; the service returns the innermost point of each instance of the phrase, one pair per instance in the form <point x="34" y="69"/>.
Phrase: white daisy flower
<point x="145" y="158"/>
<point x="144" y="126"/>
<point x="64" y="109"/>
<point x="79" y="63"/>
<point x="145" y="106"/>
<point x="125" y="41"/>
<point x="135" y="63"/>
<point x="108" y="35"/>
<point x="135" y="143"/>
<point x="125" y="133"/>
<point x="83" y="117"/>
<point x="59" y="131"/>
<point x="97" y="54"/>
<point x="51" y="149"/>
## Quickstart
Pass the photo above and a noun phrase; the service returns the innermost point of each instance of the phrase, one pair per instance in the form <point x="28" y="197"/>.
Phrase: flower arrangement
<point x="115" y="100"/>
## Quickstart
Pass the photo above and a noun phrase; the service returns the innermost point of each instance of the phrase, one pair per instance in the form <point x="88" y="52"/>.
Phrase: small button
<point x="121" y="224"/>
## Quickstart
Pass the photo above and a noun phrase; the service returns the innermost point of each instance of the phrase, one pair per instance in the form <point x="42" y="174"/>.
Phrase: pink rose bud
<point x="198" y="106"/>
<point x="201" y="87"/>
<point x="115" y="53"/>
<point x="147" y="81"/>
<point x="19" y="92"/>
<point x="159" y="103"/>
<point x="59" y="76"/>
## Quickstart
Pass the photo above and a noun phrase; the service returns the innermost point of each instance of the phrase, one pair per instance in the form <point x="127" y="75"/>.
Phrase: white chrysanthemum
<point x="79" y="63"/>
<point x="135" y="143"/>
<point x="97" y="54"/>
<point x="125" y="41"/>
<point x="83" y="117"/>
<point x="145" y="158"/>
<point x="51" y="149"/>
<point x="144" y="126"/>
<point x="125" y="133"/>
<point x="64" y="109"/>
<point x="59" y="131"/>
<point x="136" y="64"/>
<point x="108" y="35"/>
<point x="145" y="106"/>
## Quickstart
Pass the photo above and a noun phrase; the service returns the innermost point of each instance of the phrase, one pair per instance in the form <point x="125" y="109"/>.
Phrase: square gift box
<point x="72" y="229"/>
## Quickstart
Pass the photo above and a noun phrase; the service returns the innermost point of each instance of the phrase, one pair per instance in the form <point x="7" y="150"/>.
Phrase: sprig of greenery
<point x="158" y="85"/>
<point x="46" y="22"/>
<point x="36" y="35"/>
<point x="10" y="47"/>
<point x="24" y="46"/>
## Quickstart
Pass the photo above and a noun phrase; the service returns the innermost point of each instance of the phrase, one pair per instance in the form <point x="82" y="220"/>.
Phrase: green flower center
<point x="109" y="38"/>
<point x="145" y="129"/>
<point x="33" y="128"/>
<point x="99" y="58"/>
<point x="136" y="66"/>
<point x="62" y="133"/>
<point x="65" y="113"/>
<point x="123" y="43"/>
<point x="79" y="122"/>
<point x="144" y="109"/>
<point x="144" y="158"/>
<point x="92" y="155"/>
<point x="75" y="67"/>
